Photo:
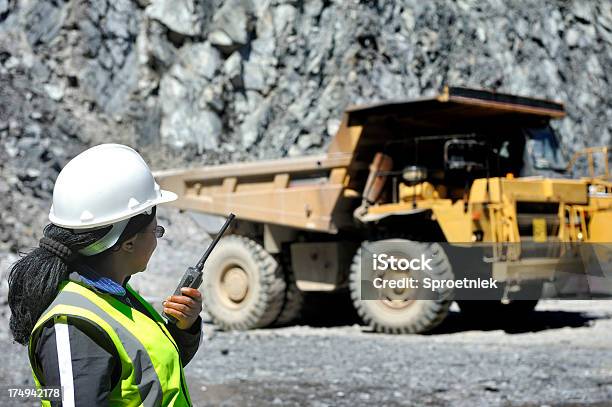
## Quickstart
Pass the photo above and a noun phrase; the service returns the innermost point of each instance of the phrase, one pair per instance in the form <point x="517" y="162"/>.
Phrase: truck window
<point x="543" y="149"/>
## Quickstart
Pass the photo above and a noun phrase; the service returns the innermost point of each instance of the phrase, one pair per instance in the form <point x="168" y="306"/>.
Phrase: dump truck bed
<point x="299" y="192"/>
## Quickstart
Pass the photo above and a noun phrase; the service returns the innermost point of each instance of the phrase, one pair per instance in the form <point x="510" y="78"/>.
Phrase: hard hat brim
<point x="167" y="196"/>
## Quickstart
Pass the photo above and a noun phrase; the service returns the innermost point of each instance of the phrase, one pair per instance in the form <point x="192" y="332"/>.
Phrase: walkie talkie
<point x="193" y="276"/>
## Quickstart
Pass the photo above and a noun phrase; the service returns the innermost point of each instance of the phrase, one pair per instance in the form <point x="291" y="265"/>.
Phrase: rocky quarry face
<point x="192" y="82"/>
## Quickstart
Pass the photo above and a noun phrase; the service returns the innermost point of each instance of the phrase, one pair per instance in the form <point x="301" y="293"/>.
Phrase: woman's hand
<point x="185" y="308"/>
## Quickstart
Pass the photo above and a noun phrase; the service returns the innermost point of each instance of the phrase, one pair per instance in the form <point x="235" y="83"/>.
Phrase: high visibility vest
<point x="151" y="370"/>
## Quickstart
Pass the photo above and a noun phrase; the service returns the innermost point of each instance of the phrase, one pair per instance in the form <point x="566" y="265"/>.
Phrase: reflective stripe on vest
<point x="151" y="370"/>
<point x="64" y="362"/>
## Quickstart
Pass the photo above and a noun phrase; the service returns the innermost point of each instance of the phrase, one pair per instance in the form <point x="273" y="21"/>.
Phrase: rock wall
<point x="189" y="82"/>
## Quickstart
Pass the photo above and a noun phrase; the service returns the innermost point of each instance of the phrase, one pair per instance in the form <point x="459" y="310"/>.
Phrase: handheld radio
<point x="193" y="276"/>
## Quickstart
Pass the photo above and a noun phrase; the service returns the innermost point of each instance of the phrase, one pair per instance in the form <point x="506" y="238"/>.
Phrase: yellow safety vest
<point x="151" y="369"/>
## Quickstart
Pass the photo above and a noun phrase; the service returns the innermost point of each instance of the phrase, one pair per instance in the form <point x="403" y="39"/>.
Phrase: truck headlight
<point x="414" y="174"/>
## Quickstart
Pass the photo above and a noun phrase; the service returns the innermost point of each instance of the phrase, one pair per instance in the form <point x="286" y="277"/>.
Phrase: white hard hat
<point x="104" y="185"/>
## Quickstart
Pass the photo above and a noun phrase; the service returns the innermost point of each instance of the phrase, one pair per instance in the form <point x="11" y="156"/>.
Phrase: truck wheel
<point x="409" y="315"/>
<point x="244" y="286"/>
<point x="294" y="300"/>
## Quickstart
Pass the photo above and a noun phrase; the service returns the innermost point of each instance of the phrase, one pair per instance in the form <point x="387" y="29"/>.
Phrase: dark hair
<point x="35" y="278"/>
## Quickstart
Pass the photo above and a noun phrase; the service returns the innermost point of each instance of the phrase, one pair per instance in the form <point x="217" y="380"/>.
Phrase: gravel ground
<point x="560" y="356"/>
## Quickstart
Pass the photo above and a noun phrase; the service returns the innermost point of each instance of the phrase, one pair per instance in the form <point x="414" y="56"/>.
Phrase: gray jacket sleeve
<point x="95" y="364"/>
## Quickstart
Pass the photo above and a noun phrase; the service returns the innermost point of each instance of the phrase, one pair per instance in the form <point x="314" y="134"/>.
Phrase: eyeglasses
<point x="159" y="231"/>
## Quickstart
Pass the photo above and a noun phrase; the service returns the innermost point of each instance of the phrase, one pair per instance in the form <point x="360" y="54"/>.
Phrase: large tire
<point x="413" y="316"/>
<point x="244" y="286"/>
<point x="294" y="300"/>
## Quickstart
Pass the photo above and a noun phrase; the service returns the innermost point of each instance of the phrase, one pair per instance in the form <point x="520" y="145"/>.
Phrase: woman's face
<point x="144" y="245"/>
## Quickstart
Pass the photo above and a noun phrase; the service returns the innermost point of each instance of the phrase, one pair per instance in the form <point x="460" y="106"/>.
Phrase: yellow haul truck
<point x="463" y="169"/>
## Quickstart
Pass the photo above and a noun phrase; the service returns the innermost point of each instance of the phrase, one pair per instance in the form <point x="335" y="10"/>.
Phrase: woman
<point x="86" y="329"/>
